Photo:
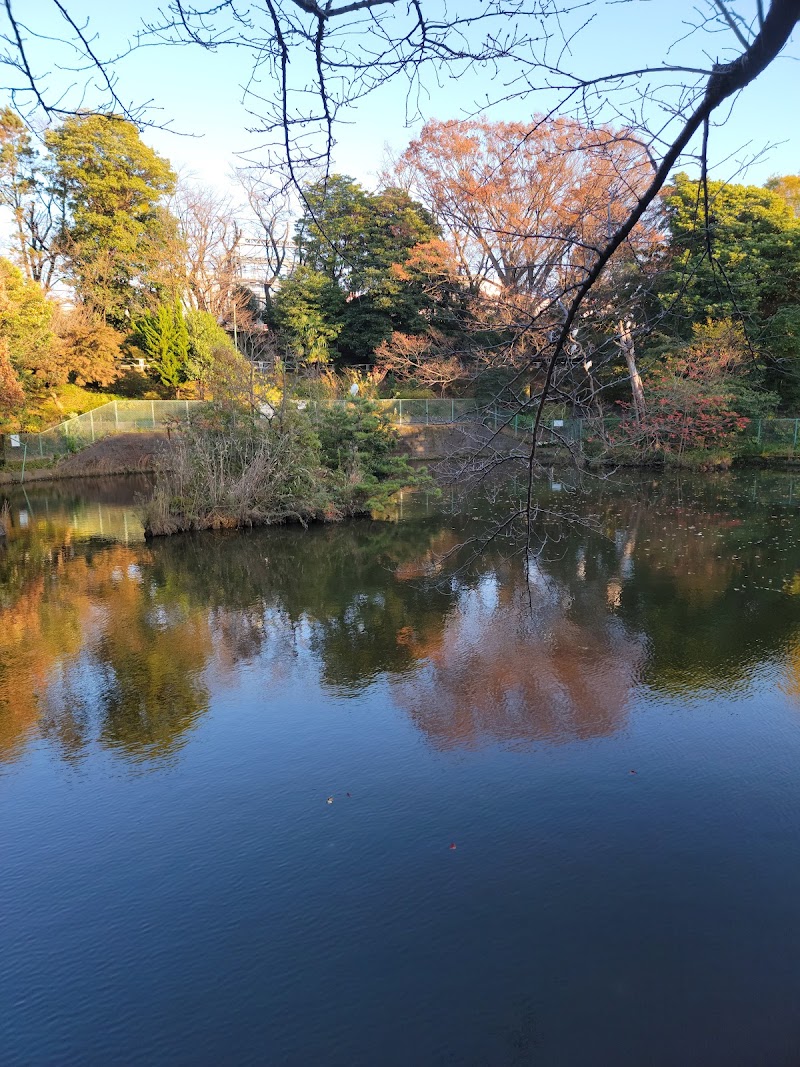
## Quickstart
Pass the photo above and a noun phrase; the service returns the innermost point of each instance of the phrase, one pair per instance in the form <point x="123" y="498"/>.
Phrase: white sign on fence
<point x="15" y="440"/>
<point x="557" y="424"/>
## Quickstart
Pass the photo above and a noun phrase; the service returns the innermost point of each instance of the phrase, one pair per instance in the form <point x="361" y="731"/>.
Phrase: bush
<point x="359" y="448"/>
<point x="231" y="468"/>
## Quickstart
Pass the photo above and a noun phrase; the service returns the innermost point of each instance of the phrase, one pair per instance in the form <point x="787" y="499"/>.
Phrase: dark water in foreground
<point x="175" y="888"/>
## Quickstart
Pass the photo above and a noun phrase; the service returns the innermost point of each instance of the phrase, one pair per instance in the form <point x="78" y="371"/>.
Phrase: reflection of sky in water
<point x="490" y="658"/>
<point x="612" y="748"/>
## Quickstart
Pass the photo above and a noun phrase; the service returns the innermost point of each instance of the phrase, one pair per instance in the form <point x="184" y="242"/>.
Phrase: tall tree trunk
<point x="629" y="352"/>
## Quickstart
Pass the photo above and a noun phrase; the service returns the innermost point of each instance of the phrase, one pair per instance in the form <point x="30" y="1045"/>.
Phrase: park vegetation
<point x="450" y="279"/>
<point x="231" y="468"/>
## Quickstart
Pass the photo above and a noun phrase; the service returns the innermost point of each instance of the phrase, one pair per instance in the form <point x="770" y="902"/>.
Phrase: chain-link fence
<point x="773" y="434"/>
<point x="118" y="416"/>
<point x="131" y="416"/>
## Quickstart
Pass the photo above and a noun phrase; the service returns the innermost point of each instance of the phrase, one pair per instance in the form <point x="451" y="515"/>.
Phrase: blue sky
<point x="201" y="92"/>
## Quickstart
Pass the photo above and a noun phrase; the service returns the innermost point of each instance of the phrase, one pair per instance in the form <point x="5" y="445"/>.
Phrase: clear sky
<point x="201" y="92"/>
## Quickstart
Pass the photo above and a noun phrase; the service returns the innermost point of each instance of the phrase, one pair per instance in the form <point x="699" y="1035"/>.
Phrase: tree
<point x="353" y="240"/>
<point x="210" y="236"/>
<point x="352" y="236"/>
<point x="12" y="395"/>
<point x="524" y="204"/>
<point x="326" y="58"/>
<point x="35" y="208"/>
<point x="430" y="360"/>
<point x="207" y="340"/>
<point x="788" y="187"/>
<point x="26" y="331"/>
<point x="309" y="309"/>
<point x="751" y="276"/>
<point x="163" y="335"/>
<point x="116" y="233"/>
<point x="694" y="393"/>
<point x="89" y="351"/>
<point x="524" y="207"/>
<point x="270" y="242"/>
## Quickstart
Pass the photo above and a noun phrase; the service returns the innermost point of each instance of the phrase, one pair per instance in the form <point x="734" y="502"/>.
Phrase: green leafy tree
<point x="26" y="332"/>
<point x="163" y="335"/>
<point x="331" y="236"/>
<point x="207" y="340"/>
<point x="117" y="237"/>
<point x="310" y="310"/>
<point x="752" y="276"/>
<point x="354" y="241"/>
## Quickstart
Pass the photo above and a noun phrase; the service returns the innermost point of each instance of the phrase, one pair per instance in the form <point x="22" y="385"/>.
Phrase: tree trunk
<point x="629" y="352"/>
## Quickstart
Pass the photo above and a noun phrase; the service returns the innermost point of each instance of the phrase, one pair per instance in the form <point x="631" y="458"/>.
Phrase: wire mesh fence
<point x="118" y="416"/>
<point x="132" y="416"/>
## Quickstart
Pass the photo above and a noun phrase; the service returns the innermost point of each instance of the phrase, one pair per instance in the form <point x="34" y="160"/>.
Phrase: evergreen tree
<point x="163" y="335"/>
<point x="346" y="290"/>
<point x="117" y="234"/>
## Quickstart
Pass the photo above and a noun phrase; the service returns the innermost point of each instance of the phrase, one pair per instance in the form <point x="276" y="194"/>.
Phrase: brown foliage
<point x="431" y="359"/>
<point x="526" y="207"/>
<point x="11" y="394"/>
<point x="88" y="349"/>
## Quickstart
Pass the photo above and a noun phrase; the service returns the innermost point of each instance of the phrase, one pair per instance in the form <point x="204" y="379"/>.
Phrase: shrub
<point x="232" y="468"/>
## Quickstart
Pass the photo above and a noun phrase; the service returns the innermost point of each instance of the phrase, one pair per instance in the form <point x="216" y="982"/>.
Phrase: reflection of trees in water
<point x="331" y="590"/>
<point x="112" y="645"/>
<point x="706" y="584"/>
<point x="506" y="668"/>
<point x="91" y="651"/>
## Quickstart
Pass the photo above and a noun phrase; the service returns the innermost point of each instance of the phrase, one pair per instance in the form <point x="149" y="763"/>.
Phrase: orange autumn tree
<point x="12" y="396"/>
<point x="525" y="206"/>
<point x="525" y="209"/>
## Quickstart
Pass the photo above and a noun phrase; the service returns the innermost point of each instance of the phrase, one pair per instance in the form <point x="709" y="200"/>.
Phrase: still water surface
<point x="612" y="743"/>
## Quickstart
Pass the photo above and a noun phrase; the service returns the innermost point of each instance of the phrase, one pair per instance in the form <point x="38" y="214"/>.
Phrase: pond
<point x="302" y="797"/>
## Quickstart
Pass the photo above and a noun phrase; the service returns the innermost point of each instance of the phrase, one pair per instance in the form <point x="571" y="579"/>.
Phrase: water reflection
<point x="503" y="667"/>
<point x="682" y="586"/>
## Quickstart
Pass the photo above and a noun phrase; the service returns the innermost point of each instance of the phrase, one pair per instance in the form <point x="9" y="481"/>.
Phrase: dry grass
<point x="227" y="476"/>
<point x="127" y="453"/>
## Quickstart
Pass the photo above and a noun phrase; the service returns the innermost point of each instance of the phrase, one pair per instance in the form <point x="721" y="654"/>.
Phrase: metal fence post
<point x="794" y="446"/>
<point x="426" y="413"/>
<point x="153" y="413"/>
<point x="401" y="412"/>
<point x="186" y="402"/>
<point x="452" y="410"/>
<point x="116" y="416"/>
<point x="91" y="423"/>
<point x="758" y="436"/>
